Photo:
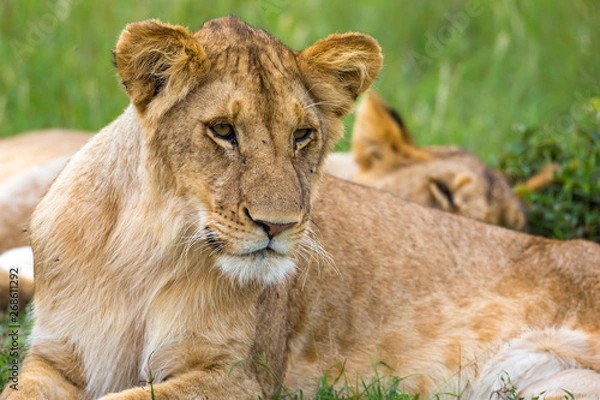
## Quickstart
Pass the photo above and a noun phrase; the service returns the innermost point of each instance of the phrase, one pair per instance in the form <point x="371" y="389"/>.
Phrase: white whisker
<point x="311" y="252"/>
<point x="319" y="103"/>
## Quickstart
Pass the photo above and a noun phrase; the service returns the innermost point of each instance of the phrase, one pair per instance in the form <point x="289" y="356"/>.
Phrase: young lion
<point x="444" y="177"/>
<point x="186" y="243"/>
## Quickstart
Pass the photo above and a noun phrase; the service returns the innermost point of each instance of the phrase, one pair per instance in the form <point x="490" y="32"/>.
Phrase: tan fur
<point x="386" y="158"/>
<point x="148" y="260"/>
<point x="29" y="162"/>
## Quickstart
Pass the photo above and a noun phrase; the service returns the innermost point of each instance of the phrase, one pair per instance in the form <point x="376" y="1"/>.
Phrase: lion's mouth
<point x="262" y="249"/>
<point x="258" y="261"/>
<point x="264" y="253"/>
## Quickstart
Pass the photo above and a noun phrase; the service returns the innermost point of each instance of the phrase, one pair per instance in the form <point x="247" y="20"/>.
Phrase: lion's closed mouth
<point x="260" y="250"/>
<point x="261" y="253"/>
<point x="267" y="252"/>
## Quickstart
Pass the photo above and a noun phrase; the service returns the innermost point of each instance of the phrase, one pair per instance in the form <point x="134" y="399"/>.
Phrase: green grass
<point x="379" y="388"/>
<point x="457" y="78"/>
<point x="13" y="337"/>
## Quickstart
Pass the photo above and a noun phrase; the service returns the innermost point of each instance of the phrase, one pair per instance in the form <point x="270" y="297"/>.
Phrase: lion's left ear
<point x="152" y="57"/>
<point x="339" y="68"/>
<point x="380" y="140"/>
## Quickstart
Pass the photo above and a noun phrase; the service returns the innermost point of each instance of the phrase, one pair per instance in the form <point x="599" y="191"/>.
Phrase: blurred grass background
<point x="460" y="71"/>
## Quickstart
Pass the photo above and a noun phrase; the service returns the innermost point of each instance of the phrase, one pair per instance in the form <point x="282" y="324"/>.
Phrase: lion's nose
<point x="271" y="228"/>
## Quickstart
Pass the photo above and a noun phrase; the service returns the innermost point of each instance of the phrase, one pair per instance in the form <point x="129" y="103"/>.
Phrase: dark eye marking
<point x="445" y="191"/>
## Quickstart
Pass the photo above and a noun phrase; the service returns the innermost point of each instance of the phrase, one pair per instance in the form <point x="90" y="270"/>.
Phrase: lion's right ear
<point x="339" y="68"/>
<point x="152" y="57"/>
<point x="380" y="138"/>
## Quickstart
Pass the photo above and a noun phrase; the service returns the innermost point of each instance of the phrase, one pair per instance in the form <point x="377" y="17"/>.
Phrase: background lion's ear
<point x="380" y="138"/>
<point x="339" y="68"/>
<point x="152" y="57"/>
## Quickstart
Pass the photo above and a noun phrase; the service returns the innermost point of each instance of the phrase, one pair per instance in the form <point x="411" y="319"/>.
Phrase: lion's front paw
<point x="21" y="394"/>
<point x="130" y="394"/>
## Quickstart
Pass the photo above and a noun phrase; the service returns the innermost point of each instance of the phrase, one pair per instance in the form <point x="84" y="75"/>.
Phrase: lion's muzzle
<point x="271" y="228"/>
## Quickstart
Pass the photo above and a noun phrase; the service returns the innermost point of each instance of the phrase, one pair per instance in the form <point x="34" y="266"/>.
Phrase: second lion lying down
<point x="186" y="242"/>
<point x="444" y="177"/>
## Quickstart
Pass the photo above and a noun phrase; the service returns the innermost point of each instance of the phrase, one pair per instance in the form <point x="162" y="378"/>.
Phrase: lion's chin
<point x="262" y="267"/>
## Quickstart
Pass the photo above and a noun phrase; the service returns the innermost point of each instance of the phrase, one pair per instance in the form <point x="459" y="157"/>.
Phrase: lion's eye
<point x="301" y="135"/>
<point x="223" y="131"/>
<point x="445" y="191"/>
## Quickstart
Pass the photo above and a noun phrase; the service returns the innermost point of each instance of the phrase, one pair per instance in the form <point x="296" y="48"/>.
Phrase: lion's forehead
<point x="219" y="33"/>
<point x="251" y="103"/>
<point x="256" y="81"/>
<point x="230" y="44"/>
<point x="265" y="72"/>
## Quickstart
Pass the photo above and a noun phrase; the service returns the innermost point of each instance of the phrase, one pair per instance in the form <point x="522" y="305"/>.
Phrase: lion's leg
<point x="39" y="380"/>
<point x="199" y="385"/>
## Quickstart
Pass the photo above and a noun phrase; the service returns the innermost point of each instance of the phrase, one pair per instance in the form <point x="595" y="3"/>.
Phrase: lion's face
<point x="251" y="176"/>
<point x="244" y="137"/>
<point x="446" y="177"/>
<point x="456" y="181"/>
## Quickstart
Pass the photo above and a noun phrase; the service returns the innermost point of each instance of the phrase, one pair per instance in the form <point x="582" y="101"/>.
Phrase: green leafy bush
<point x="570" y="206"/>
